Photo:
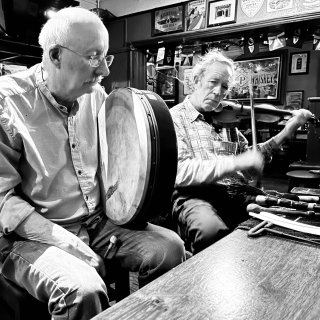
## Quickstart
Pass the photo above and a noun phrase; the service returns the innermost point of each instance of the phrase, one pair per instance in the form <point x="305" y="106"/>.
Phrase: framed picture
<point x="187" y="81"/>
<point x="299" y="62"/>
<point x="294" y="100"/>
<point x="265" y="73"/>
<point x="195" y="15"/>
<point x="221" y="12"/>
<point x="166" y="83"/>
<point x="168" y="20"/>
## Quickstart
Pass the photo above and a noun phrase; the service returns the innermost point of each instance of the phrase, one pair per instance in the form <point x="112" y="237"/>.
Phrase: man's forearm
<point x="37" y="228"/>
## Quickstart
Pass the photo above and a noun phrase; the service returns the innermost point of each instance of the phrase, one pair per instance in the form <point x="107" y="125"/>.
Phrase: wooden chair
<point x="18" y="304"/>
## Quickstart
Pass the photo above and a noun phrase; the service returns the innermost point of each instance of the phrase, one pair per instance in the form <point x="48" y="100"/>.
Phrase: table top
<point x="236" y="278"/>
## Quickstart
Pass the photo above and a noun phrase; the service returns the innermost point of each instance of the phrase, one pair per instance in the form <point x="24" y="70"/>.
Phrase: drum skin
<point x="138" y="155"/>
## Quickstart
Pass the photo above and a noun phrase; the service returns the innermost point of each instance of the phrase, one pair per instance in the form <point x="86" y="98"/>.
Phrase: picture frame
<point x="195" y="15"/>
<point x="265" y="71"/>
<point x="166" y="83"/>
<point x="294" y="99"/>
<point x="168" y="20"/>
<point x="187" y="81"/>
<point x="299" y="63"/>
<point x="221" y="12"/>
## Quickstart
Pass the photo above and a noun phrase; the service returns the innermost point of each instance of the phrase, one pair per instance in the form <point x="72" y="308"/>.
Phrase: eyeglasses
<point x="94" y="61"/>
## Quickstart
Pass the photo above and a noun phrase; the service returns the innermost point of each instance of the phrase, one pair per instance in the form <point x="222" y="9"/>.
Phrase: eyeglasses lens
<point x="96" y="61"/>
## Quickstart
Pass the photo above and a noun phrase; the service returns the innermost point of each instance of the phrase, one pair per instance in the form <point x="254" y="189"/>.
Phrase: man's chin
<point x="218" y="108"/>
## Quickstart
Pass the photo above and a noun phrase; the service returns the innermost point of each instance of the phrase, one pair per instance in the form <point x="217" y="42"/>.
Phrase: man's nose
<point x="217" y="89"/>
<point x="103" y="69"/>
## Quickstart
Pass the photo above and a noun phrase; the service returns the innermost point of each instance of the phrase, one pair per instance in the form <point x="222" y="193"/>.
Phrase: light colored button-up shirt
<point x="204" y="155"/>
<point x="49" y="157"/>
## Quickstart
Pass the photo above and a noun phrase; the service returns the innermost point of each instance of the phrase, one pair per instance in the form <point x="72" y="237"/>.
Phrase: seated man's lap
<point x="204" y="220"/>
<point x="149" y="249"/>
<point x="48" y="272"/>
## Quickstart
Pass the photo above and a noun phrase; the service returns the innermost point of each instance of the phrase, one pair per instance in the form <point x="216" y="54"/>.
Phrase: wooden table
<point x="236" y="278"/>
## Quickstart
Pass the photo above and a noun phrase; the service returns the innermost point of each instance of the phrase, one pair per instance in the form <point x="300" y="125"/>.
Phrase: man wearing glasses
<point x="53" y="233"/>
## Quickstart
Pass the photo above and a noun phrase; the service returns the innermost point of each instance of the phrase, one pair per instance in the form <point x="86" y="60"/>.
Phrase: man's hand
<point x="299" y="118"/>
<point x="37" y="228"/>
<point x="250" y="160"/>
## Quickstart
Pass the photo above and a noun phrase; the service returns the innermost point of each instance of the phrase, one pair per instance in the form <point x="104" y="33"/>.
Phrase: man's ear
<point x="196" y="80"/>
<point x="55" y="55"/>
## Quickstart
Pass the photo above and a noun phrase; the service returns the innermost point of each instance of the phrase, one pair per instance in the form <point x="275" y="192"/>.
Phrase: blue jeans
<point x="73" y="289"/>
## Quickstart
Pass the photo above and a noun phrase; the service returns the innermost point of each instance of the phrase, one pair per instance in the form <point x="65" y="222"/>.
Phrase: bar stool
<point x="18" y="304"/>
<point x="302" y="178"/>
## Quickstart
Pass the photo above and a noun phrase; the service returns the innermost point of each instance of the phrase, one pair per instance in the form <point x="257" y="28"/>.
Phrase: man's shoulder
<point x="178" y="109"/>
<point x="17" y="83"/>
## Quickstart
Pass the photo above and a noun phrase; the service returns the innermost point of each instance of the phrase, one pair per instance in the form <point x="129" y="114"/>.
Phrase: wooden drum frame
<point x="138" y="155"/>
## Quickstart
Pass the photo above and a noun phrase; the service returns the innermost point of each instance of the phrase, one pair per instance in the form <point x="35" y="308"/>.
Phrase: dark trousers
<point x="206" y="214"/>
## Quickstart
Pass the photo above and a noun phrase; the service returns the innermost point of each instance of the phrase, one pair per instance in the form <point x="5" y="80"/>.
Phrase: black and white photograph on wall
<point x="276" y="5"/>
<point x="221" y="12"/>
<point x="299" y="63"/>
<point x="166" y="83"/>
<point x="187" y="81"/>
<point x="264" y="73"/>
<point x="167" y="20"/>
<point x="294" y="100"/>
<point x="195" y="15"/>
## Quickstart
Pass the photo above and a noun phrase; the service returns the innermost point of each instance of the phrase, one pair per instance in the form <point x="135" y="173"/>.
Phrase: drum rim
<point x="158" y="181"/>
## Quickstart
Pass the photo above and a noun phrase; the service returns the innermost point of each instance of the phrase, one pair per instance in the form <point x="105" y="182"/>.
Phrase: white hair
<point x="57" y="29"/>
<point x="214" y="55"/>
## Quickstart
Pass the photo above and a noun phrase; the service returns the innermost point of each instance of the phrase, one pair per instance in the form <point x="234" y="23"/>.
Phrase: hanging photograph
<point x="264" y="72"/>
<point x="166" y="83"/>
<point x="187" y="81"/>
<point x="299" y="63"/>
<point x="221" y="12"/>
<point x="195" y="18"/>
<point x="167" y="20"/>
<point x="294" y="100"/>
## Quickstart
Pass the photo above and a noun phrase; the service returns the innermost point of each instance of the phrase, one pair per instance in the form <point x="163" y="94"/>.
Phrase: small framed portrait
<point x="166" y="83"/>
<point x="221" y="12"/>
<point x="195" y="15"/>
<point x="299" y="63"/>
<point x="187" y="81"/>
<point x="294" y="99"/>
<point x="168" y="20"/>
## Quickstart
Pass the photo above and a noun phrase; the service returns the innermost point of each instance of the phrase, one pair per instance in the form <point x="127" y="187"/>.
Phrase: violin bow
<point x="253" y="125"/>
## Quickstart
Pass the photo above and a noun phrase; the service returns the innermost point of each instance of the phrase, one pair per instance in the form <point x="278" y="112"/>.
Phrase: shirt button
<point x="73" y="145"/>
<point x="79" y="172"/>
<point x="86" y="198"/>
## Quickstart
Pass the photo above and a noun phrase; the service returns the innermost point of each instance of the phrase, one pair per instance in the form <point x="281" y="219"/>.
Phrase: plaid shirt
<point x="204" y="155"/>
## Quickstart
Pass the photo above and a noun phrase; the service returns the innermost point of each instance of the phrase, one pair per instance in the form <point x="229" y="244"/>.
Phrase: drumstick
<point x="252" y="207"/>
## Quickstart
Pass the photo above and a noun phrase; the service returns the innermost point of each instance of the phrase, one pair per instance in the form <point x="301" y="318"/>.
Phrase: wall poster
<point x="167" y="20"/>
<point x="195" y="15"/>
<point x="264" y="72"/>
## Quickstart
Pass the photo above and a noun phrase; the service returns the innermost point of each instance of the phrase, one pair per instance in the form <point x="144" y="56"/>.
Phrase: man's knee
<point x="204" y="228"/>
<point x="89" y="290"/>
<point x="167" y="253"/>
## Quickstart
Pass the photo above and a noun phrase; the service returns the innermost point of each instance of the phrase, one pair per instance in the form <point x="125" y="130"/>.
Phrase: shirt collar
<point x="42" y="85"/>
<point x="193" y="113"/>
